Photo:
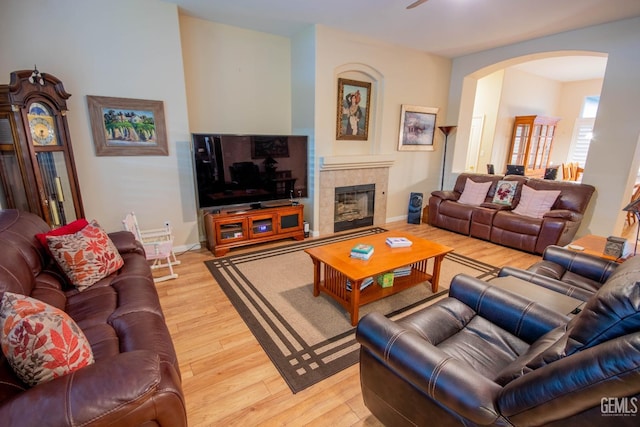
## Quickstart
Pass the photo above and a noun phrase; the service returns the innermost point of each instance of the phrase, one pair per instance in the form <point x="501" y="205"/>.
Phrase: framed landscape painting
<point x="127" y="127"/>
<point x="417" y="126"/>
<point x="354" y="99"/>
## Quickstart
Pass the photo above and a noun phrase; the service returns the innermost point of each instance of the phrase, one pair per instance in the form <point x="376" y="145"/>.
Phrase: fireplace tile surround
<point x="344" y="171"/>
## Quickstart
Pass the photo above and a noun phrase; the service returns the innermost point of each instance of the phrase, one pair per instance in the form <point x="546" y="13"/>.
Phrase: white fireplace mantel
<point x="356" y="162"/>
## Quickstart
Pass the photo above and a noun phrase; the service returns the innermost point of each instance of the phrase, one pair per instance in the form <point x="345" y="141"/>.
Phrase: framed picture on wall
<point x="417" y="126"/>
<point x="354" y="99"/>
<point x="127" y="127"/>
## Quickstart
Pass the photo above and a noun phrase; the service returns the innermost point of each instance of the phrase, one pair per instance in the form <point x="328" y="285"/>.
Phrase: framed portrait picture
<point x="354" y="99"/>
<point x="127" y="127"/>
<point x="417" y="126"/>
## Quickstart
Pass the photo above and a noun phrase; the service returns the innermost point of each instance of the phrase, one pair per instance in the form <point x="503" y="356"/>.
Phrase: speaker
<point x="415" y="208"/>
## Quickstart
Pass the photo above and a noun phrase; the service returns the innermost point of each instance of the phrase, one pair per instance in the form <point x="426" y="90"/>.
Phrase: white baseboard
<point x="184" y="248"/>
<point x="397" y="218"/>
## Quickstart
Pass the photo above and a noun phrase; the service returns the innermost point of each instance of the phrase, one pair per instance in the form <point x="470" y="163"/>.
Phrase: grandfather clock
<point x="36" y="161"/>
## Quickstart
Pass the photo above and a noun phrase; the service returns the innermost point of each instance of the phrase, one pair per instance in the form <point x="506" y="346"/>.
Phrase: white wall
<point x="486" y="105"/>
<point x="303" y="95"/>
<point x="121" y="49"/>
<point x="614" y="156"/>
<point x="572" y="97"/>
<point x="237" y="80"/>
<point x="402" y="76"/>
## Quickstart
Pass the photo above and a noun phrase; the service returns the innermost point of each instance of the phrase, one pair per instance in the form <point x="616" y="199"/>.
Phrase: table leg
<point x="316" y="277"/>
<point x="355" y="301"/>
<point x="435" y="276"/>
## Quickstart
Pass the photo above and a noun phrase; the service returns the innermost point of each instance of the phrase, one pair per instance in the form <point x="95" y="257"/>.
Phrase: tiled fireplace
<point x="370" y="171"/>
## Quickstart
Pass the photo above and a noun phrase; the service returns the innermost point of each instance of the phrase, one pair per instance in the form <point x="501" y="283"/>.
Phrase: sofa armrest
<point x="451" y="383"/>
<point x="547" y="282"/>
<point x="125" y="242"/>
<point x="131" y="388"/>
<point x="521" y="317"/>
<point x="446" y="195"/>
<point x="563" y="214"/>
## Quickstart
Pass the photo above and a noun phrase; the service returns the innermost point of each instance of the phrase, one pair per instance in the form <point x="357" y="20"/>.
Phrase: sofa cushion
<point x="474" y="192"/>
<point x="535" y="203"/>
<point x="39" y="341"/>
<point x="505" y="192"/>
<point x="86" y="256"/>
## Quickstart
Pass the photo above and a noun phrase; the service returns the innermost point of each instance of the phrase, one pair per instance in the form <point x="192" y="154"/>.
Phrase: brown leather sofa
<point x="572" y="273"/>
<point x="135" y="380"/>
<point x="485" y="356"/>
<point x="499" y="224"/>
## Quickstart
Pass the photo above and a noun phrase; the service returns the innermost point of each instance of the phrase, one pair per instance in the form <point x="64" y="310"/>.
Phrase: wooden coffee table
<point x="332" y="267"/>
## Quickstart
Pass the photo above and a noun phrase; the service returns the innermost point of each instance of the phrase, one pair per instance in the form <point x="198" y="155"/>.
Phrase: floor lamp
<point x="634" y="208"/>
<point x="446" y="130"/>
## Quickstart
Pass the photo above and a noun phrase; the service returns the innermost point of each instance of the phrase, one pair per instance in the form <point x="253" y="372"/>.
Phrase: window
<point x="583" y="131"/>
<point x="590" y="107"/>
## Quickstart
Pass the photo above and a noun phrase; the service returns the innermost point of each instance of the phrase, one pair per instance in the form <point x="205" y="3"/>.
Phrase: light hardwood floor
<point x="229" y="380"/>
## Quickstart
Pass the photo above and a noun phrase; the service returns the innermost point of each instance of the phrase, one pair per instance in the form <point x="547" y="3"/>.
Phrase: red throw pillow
<point x="71" y="228"/>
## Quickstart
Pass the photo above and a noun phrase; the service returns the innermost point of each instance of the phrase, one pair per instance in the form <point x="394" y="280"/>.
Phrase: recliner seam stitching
<point x="433" y="379"/>
<point x="390" y="343"/>
<point x="522" y="316"/>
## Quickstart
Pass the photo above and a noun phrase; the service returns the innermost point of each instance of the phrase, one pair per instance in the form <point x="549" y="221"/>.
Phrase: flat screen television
<point x="249" y="169"/>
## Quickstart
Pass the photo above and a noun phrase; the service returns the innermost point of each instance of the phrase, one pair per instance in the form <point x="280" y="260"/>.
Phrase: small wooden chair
<point x="158" y="246"/>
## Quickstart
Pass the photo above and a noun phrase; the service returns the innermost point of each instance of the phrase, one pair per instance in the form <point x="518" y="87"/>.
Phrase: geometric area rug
<point x="311" y="338"/>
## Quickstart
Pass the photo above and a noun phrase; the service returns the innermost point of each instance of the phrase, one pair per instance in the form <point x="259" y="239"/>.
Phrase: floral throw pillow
<point x="39" y="341"/>
<point x="86" y="256"/>
<point x="505" y="191"/>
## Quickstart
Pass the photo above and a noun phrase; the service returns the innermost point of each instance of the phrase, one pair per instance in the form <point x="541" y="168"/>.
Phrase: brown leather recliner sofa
<point x="135" y="379"/>
<point x="499" y="224"/>
<point x="485" y="356"/>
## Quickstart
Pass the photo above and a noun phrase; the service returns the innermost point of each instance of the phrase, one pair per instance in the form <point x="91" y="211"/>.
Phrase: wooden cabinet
<point x="531" y="143"/>
<point x="37" y="170"/>
<point x="235" y="228"/>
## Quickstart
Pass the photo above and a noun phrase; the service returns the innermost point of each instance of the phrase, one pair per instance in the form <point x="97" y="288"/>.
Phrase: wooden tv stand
<point x="240" y="227"/>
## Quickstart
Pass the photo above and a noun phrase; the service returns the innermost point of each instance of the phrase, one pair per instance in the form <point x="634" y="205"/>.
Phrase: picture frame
<point x="417" y="128"/>
<point x="354" y="103"/>
<point x="127" y="127"/>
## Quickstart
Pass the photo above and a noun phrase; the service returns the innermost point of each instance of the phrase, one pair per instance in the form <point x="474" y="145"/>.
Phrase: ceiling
<point x="448" y="28"/>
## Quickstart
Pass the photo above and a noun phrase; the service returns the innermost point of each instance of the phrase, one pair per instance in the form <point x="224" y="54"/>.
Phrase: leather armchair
<point x="485" y="356"/>
<point x="575" y="274"/>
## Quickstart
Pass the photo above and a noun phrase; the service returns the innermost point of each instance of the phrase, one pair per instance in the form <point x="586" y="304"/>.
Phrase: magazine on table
<point x="398" y="242"/>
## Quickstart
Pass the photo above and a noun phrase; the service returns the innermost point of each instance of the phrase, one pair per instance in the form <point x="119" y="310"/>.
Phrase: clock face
<point x="42" y="130"/>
